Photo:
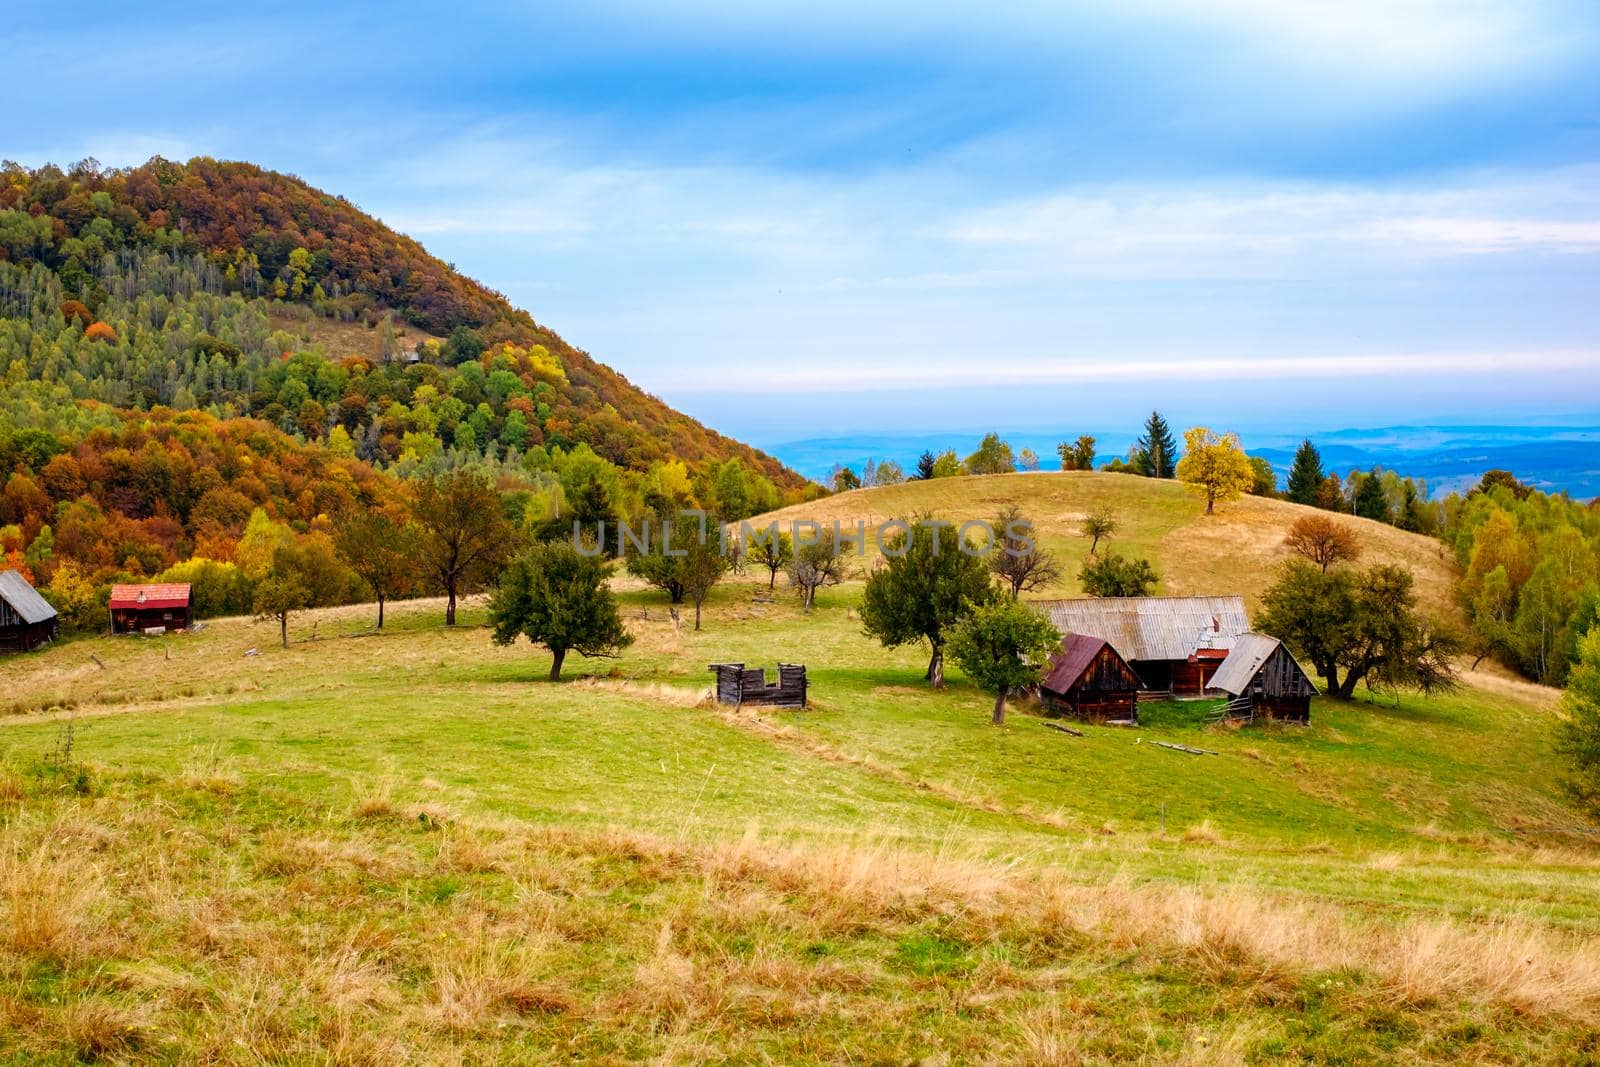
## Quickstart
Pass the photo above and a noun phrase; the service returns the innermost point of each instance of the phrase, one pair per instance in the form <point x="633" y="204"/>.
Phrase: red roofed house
<point x="1088" y="678"/>
<point x="143" y="608"/>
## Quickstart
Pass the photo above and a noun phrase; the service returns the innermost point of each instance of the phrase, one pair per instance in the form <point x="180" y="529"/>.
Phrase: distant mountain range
<point x="1448" y="458"/>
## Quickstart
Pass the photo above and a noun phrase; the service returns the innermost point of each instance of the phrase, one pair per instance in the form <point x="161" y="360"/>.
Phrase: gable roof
<point x="171" y="595"/>
<point x="1153" y="627"/>
<point x="1250" y="653"/>
<point x="1070" y="661"/>
<point x="24" y="599"/>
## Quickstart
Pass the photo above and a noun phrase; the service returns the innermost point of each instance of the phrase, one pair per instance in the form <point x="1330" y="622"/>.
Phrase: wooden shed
<point x="738" y="684"/>
<point x="1175" y="644"/>
<point x="139" y="609"/>
<point x="27" y="620"/>
<point x="1262" y="677"/>
<point x="1087" y="678"/>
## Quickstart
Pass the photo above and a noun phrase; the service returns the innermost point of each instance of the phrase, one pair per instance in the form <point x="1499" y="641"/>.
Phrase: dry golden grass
<point x="341" y="340"/>
<point x="1233" y="551"/>
<point x="1202" y="833"/>
<point x="230" y="936"/>
<point x="52" y="895"/>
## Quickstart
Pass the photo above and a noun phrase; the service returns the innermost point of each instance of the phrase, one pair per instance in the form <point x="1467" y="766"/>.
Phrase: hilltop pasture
<point x="410" y="846"/>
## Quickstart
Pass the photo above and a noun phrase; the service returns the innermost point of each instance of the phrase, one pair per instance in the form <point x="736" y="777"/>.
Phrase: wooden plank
<point x="1064" y="729"/>
<point x="1186" y="748"/>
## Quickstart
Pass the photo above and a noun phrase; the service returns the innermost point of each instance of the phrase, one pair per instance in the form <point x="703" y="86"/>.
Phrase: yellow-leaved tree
<point x="1215" y="465"/>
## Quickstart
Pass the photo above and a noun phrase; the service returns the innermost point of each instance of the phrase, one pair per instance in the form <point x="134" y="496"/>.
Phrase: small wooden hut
<point x="26" y="619"/>
<point x="1262" y="677"/>
<point x="1087" y="678"/>
<point x="137" y="609"/>
<point x="737" y="684"/>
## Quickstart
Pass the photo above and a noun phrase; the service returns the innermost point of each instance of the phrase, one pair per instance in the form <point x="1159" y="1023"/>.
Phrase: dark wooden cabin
<point x="27" y="621"/>
<point x="1175" y="644"/>
<point x="1262" y="677"/>
<point x="738" y="684"/>
<point x="1087" y="678"/>
<point x="137" y="609"/>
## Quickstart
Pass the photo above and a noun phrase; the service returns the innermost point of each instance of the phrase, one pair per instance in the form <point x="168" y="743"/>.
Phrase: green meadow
<point x="409" y="846"/>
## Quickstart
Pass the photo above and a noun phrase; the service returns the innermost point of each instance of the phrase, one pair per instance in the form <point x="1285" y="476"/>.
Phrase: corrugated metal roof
<point x="1067" y="665"/>
<point x="172" y="595"/>
<point x="1250" y="651"/>
<point x="1153" y="627"/>
<point x="24" y="599"/>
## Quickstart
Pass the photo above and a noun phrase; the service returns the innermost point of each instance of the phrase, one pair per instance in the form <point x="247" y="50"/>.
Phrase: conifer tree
<point x="1156" y="453"/>
<point x="1305" y="474"/>
<point x="1370" y="501"/>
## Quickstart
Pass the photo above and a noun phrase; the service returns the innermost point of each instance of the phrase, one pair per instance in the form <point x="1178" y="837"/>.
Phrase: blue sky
<point x="799" y="220"/>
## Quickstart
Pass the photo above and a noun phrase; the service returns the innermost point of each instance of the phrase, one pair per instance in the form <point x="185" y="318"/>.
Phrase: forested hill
<point x="181" y="285"/>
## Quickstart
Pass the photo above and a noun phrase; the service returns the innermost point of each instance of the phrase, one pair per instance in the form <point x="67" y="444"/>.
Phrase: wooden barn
<point x="1175" y="644"/>
<point x="1262" y="677"/>
<point x="137" y="609"/>
<point x="737" y="684"/>
<point x="1087" y="678"/>
<point x="26" y="619"/>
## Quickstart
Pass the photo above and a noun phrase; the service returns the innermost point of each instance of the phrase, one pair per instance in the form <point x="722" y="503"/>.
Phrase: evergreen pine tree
<point x="925" y="464"/>
<point x="1305" y="474"/>
<point x="1156" y="453"/>
<point x="1370" y="501"/>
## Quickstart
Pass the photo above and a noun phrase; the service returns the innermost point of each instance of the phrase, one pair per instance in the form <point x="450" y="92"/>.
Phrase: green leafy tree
<point x="1502" y="479"/>
<point x="927" y="585"/>
<point x="947" y="465"/>
<point x="993" y="456"/>
<point x="1578" y="732"/>
<point x="1357" y="627"/>
<point x="814" y="565"/>
<point x="216" y="587"/>
<point x="463" y="536"/>
<point x="1215" y="466"/>
<point x="731" y="487"/>
<point x="1003" y="647"/>
<point x="557" y="597"/>
<point x="1077" y="455"/>
<point x="1155" y="454"/>
<point x="704" y="564"/>
<point x="770" y="548"/>
<point x="1112" y="576"/>
<point x="1098" y="525"/>
<point x="664" y="562"/>
<point x="303" y="573"/>
<point x="1305" y="475"/>
<point x="1266" y="479"/>
<point x="844" y="479"/>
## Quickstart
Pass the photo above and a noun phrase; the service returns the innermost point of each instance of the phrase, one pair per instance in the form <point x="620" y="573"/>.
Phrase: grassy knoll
<point x="1233" y="551"/>
<point x="410" y="846"/>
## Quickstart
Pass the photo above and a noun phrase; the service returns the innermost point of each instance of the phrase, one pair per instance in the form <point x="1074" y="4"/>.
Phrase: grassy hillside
<point x="410" y="846"/>
<point x="1233" y="551"/>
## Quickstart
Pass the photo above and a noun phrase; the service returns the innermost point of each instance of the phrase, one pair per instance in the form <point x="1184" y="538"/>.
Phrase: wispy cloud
<point x="1034" y="196"/>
